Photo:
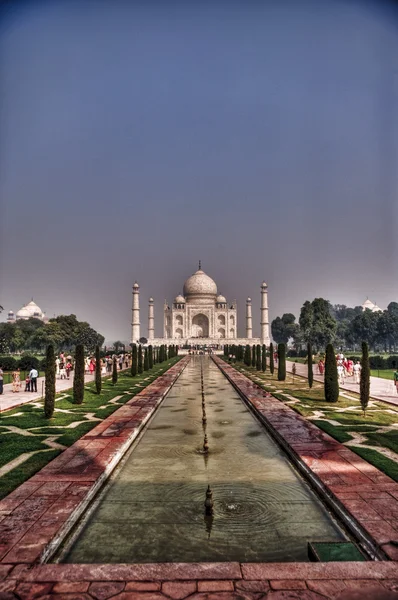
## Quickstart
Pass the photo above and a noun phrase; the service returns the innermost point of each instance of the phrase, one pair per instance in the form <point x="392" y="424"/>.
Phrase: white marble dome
<point x="200" y="288"/>
<point x="221" y="299"/>
<point x="30" y="310"/>
<point x="179" y="299"/>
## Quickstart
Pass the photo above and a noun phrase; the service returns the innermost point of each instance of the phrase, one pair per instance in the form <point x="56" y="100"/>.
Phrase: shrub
<point x="8" y="363"/>
<point x="331" y="384"/>
<point x="98" y="380"/>
<point x="114" y="370"/>
<point x="29" y="362"/>
<point x="134" y="360"/>
<point x="49" y="394"/>
<point x="364" y="384"/>
<point x="309" y="364"/>
<point x="78" y="380"/>
<point x="281" y="362"/>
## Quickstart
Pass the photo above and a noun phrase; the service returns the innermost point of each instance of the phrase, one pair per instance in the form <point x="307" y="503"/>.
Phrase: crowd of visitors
<point x="345" y="368"/>
<point x="64" y="365"/>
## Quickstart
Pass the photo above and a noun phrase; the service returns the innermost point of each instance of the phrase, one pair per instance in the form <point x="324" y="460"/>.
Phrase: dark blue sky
<point x="138" y="137"/>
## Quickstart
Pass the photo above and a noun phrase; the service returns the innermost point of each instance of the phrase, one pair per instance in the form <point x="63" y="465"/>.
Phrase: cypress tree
<point x="281" y="362"/>
<point x="150" y="357"/>
<point x="140" y="365"/>
<point x="364" y="384"/>
<point x="134" y="361"/>
<point x="146" y="360"/>
<point x="49" y="395"/>
<point x="170" y="352"/>
<point x="114" y="371"/>
<point x="226" y="350"/>
<point x="258" y="359"/>
<point x="248" y="358"/>
<point x="253" y="355"/>
<point x="271" y="358"/>
<point x="264" y="358"/>
<point x="331" y="384"/>
<point x="98" y="380"/>
<point x="78" y="380"/>
<point x="177" y="350"/>
<point x="309" y="364"/>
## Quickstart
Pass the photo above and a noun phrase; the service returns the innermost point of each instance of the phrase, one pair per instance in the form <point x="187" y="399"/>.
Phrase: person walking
<point x="1" y="380"/>
<point x="340" y="373"/>
<point x="92" y="366"/>
<point x="16" y="381"/>
<point x="33" y="375"/>
<point x="57" y="368"/>
<point x="68" y="369"/>
<point x="357" y="371"/>
<point x="396" y="379"/>
<point x="62" y="369"/>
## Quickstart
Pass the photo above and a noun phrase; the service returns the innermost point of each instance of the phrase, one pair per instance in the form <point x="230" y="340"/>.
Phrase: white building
<point x="28" y="311"/>
<point x="368" y="304"/>
<point x="201" y="316"/>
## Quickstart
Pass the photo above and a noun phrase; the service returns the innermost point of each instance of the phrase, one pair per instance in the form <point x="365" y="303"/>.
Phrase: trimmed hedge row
<point x="25" y="363"/>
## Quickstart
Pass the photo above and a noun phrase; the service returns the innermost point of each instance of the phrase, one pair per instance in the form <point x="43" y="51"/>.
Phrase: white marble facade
<point x="201" y="316"/>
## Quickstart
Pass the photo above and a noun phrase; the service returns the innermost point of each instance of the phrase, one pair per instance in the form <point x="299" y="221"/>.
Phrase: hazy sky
<point x="138" y="137"/>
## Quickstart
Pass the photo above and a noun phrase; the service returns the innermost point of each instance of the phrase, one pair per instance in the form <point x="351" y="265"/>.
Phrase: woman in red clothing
<point x="92" y="366"/>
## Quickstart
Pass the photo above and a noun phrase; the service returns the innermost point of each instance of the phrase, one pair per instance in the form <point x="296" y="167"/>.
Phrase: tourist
<point x="68" y="369"/>
<point x="92" y="366"/>
<point x="87" y="365"/>
<point x="395" y="379"/>
<point x="321" y="366"/>
<point x="103" y="366"/>
<point x="33" y="375"/>
<point x="57" y="363"/>
<point x="1" y="380"/>
<point x="357" y="371"/>
<point x="16" y="381"/>
<point x="109" y="364"/>
<point x="340" y="373"/>
<point x="121" y="362"/>
<point x="62" y="370"/>
<point x="27" y="384"/>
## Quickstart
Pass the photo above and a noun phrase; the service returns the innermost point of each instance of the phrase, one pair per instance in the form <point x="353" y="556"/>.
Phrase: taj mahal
<point x="201" y="316"/>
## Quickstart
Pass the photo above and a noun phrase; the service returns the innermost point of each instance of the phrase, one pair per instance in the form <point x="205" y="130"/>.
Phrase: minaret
<point x="135" y="330"/>
<point x="151" y="320"/>
<point x="264" y="314"/>
<point x="249" y="322"/>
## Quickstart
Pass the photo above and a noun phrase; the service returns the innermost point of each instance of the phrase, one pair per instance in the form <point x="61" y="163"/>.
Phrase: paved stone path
<point x="10" y="399"/>
<point x="380" y="389"/>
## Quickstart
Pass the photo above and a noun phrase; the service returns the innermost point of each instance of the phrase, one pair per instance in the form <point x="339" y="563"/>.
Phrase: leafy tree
<point x="392" y="309"/>
<point x="309" y="365"/>
<point x="258" y="357"/>
<point x="98" y="379"/>
<point x="146" y="360"/>
<point x="150" y="357"/>
<point x="49" y="394"/>
<point x="117" y="345"/>
<point x="140" y="363"/>
<point x="134" y="364"/>
<point x="364" y="327"/>
<point x="78" y="380"/>
<point x="264" y="358"/>
<point x="331" y="384"/>
<point x="285" y="328"/>
<point x="317" y="323"/>
<point x="143" y="340"/>
<point x="248" y="357"/>
<point x="114" y="371"/>
<point x="281" y="362"/>
<point x="364" y="387"/>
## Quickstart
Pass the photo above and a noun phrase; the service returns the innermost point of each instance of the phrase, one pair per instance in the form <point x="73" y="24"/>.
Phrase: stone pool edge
<point x="365" y="499"/>
<point x="36" y="516"/>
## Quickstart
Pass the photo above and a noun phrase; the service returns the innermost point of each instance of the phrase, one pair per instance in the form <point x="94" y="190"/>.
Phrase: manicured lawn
<point x="383" y="373"/>
<point x="69" y="423"/>
<point x="347" y="412"/>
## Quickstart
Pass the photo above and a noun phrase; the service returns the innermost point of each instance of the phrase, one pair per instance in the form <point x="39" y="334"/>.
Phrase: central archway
<point x="200" y="326"/>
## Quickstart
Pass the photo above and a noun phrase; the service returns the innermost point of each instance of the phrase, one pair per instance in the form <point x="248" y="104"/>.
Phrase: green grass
<point x="388" y="440"/>
<point x="388" y="466"/>
<point x="7" y="377"/>
<point x="336" y="432"/>
<point x="383" y="373"/>
<point x="32" y="419"/>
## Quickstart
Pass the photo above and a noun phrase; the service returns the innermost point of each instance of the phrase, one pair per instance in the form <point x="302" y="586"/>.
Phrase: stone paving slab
<point x="40" y="508"/>
<point x="333" y="465"/>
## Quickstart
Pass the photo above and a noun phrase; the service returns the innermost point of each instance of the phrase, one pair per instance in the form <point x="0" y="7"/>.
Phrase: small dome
<point x="150" y="299"/>
<point x="10" y="313"/>
<point x="249" y="300"/>
<point x="135" y="285"/>
<point x="179" y="299"/>
<point x="221" y="299"/>
<point x="200" y="285"/>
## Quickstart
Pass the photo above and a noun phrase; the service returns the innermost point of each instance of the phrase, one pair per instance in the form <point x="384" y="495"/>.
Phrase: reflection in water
<point x="152" y="510"/>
